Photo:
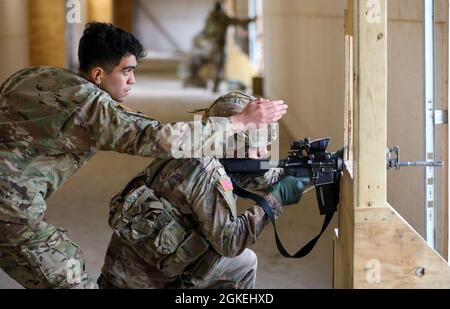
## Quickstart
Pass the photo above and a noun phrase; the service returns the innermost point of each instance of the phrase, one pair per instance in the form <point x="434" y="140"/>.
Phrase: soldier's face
<point x="119" y="82"/>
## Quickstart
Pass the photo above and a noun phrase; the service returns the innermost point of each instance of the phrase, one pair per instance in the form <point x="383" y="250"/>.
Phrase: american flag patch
<point x="226" y="184"/>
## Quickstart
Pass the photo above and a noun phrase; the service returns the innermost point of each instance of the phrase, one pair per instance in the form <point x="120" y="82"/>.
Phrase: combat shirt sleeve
<point x="239" y="22"/>
<point x="112" y="127"/>
<point x="214" y="205"/>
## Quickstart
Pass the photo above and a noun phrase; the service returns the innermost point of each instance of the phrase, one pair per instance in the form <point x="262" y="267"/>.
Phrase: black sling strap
<point x="239" y="191"/>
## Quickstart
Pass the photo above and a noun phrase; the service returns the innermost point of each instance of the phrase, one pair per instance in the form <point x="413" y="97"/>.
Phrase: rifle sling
<point x="239" y="191"/>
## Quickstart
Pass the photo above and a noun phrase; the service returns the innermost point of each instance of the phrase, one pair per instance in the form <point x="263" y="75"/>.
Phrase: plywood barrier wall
<point x="374" y="246"/>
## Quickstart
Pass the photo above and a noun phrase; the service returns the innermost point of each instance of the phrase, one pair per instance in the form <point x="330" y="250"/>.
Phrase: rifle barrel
<point x="421" y="163"/>
<point x="236" y="166"/>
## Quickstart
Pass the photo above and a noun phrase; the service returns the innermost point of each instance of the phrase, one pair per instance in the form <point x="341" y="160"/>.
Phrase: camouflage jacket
<point x="52" y="121"/>
<point x="216" y="26"/>
<point x="201" y="213"/>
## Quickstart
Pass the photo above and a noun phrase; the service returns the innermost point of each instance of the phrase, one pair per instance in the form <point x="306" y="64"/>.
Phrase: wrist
<point x="238" y="123"/>
<point x="275" y="204"/>
<point x="273" y="200"/>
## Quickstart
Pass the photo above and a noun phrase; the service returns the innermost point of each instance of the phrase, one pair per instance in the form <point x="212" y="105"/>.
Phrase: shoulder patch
<point x="225" y="188"/>
<point x="226" y="184"/>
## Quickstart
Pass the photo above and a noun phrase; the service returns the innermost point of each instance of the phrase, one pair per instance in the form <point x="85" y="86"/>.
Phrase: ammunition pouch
<point x="156" y="230"/>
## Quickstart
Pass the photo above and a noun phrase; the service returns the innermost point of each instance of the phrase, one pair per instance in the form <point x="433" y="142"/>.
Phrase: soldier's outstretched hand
<point x="260" y="111"/>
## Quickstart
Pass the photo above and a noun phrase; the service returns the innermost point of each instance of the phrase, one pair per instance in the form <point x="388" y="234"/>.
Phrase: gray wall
<point x="180" y="19"/>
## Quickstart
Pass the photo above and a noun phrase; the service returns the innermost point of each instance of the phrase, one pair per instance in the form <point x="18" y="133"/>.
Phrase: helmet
<point x="229" y="104"/>
<point x="234" y="103"/>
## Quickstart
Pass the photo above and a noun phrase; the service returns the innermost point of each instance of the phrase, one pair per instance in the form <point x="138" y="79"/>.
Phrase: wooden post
<point x="123" y="12"/>
<point x="100" y="11"/>
<point x="371" y="105"/>
<point x="446" y="134"/>
<point x="46" y="32"/>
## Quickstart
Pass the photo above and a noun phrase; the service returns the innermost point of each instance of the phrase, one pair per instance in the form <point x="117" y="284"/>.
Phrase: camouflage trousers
<point x="41" y="256"/>
<point x="124" y="269"/>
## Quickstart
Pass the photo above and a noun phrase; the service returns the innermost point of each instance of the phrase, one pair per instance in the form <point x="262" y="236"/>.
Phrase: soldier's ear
<point x="97" y="75"/>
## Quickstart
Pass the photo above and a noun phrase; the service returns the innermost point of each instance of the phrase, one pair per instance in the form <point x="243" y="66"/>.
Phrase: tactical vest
<point x="154" y="228"/>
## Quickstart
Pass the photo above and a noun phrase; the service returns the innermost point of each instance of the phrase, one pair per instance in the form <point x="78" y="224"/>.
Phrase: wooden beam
<point x="46" y="32"/>
<point x="348" y="115"/>
<point x="344" y="239"/>
<point x="123" y="14"/>
<point x="349" y="16"/>
<point x="446" y="135"/>
<point x="100" y="11"/>
<point x="371" y="102"/>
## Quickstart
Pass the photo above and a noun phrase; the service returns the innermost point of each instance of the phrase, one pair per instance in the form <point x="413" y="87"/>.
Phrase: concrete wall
<point x="304" y="61"/>
<point x="13" y="37"/>
<point x="181" y="21"/>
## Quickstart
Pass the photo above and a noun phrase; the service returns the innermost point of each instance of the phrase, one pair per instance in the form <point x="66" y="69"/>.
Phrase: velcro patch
<point x="126" y="108"/>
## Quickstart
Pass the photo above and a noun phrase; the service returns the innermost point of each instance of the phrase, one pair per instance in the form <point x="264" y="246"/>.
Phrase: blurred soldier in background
<point x="208" y="51"/>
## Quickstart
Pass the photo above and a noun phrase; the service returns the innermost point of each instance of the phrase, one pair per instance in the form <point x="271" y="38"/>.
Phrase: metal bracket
<point x="393" y="160"/>
<point x="440" y="116"/>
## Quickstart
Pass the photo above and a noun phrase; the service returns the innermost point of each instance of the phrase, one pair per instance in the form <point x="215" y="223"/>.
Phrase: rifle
<point x="310" y="159"/>
<point x="306" y="159"/>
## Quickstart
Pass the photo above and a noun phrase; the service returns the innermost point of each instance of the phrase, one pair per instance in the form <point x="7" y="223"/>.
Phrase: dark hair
<point x="105" y="45"/>
<point x="218" y="6"/>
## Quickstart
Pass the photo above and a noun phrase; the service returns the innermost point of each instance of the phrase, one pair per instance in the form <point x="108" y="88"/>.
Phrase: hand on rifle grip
<point x="289" y="190"/>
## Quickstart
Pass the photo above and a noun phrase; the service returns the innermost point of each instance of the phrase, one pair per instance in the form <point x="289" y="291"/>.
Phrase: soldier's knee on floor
<point x="45" y="258"/>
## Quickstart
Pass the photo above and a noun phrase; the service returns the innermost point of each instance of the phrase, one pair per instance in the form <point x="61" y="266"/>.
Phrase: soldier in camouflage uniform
<point x="52" y="121"/>
<point x="209" y="48"/>
<point x="176" y="223"/>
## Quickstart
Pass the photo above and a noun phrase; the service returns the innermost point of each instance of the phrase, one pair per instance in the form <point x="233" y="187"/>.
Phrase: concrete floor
<point x="81" y="206"/>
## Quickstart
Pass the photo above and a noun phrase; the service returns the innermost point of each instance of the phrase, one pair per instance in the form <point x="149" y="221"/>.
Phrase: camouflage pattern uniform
<point x="209" y="48"/>
<point x="51" y="122"/>
<point x="176" y="225"/>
